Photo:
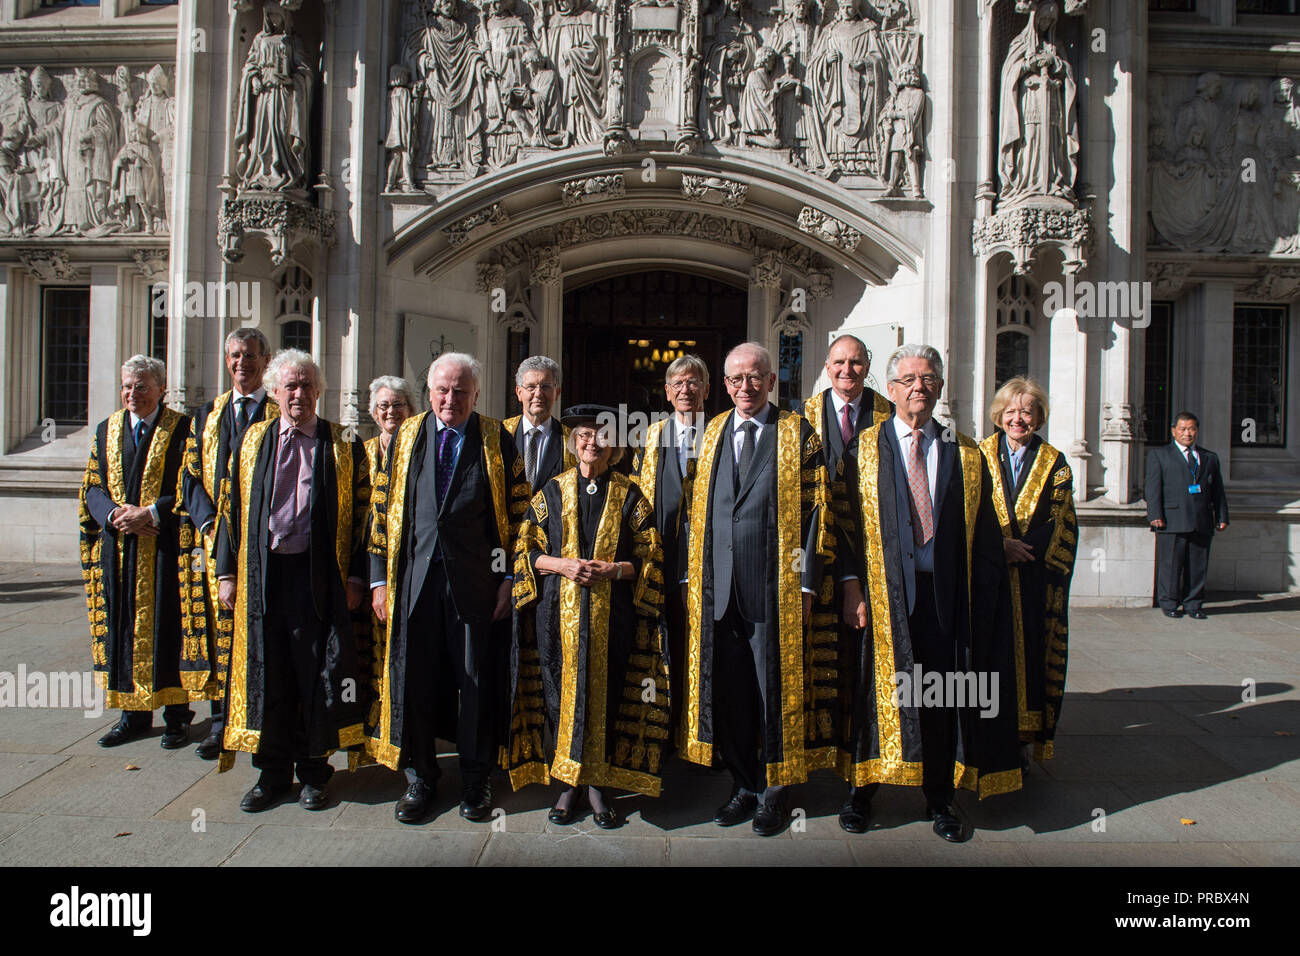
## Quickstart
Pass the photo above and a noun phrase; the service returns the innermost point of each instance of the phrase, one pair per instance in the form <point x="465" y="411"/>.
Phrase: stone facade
<point x="380" y="181"/>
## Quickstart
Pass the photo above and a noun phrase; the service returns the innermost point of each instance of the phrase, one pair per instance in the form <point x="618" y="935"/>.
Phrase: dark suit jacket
<point x="1168" y="499"/>
<point x="744" y="528"/>
<point x="668" y="510"/>
<point x="552" y="462"/>
<point x="466" y="528"/>
<point x="197" y="499"/>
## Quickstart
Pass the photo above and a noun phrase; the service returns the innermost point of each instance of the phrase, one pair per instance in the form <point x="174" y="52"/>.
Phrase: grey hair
<point x="687" y="363"/>
<point x="765" y="357"/>
<point x="292" y="358"/>
<point x="391" y="382"/>
<point x="617" y="450"/>
<point x="914" y="350"/>
<point x="462" y="359"/>
<point x="146" y="365"/>
<point x="246" y="333"/>
<point x="537" y="363"/>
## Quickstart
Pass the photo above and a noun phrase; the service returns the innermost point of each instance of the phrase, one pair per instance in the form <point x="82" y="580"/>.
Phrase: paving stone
<point x="104" y="787"/>
<point x="274" y="845"/>
<point x="770" y="852"/>
<point x="119" y="841"/>
<point x="18" y="769"/>
<point x="584" y="845"/>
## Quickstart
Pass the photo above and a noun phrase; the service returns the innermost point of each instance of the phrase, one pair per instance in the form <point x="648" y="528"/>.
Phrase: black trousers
<point x="741" y="697"/>
<point x="1183" y="561"/>
<point x="448" y="657"/>
<point x="934" y="651"/>
<point x="293" y="638"/>
<point x="175" y="717"/>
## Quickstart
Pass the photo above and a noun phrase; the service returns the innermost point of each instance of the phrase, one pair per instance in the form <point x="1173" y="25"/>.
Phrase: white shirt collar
<point x="135" y="419"/>
<point x="544" y="427"/>
<point x="760" y="419"/>
<point x="1185" y="449"/>
<point x="839" y="403"/>
<point x="903" y="430"/>
<point x="256" y="396"/>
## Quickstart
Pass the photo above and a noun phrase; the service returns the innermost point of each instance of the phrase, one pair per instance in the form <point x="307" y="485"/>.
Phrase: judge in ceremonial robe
<point x="760" y="677"/>
<point x="440" y="577"/>
<point x="541" y="440"/>
<point x="588" y="592"/>
<point x="664" y="470"/>
<point x="933" y="704"/>
<point x="291" y="565"/>
<point x="213" y="432"/>
<point x="131" y="562"/>
<point x="1033" y="499"/>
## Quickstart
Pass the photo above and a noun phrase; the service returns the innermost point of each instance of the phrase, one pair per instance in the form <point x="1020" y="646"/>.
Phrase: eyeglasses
<point x="382" y="407"/>
<point x="693" y="384"/>
<point x="735" y="381"/>
<point x="927" y="381"/>
<point x="138" y="388"/>
<point x="534" y="389"/>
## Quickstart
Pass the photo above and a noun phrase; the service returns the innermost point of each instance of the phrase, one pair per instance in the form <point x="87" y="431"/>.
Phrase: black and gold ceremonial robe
<point x="819" y="410"/>
<point x="800" y="717"/>
<point x="340" y="501"/>
<point x="474" y="563"/>
<point x="1040" y="512"/>
<point x="200" y="496"/>
<point x="133" y="581"/>
<point x="589" y="660"/>
<point x="371" y="633"/>
<point x="880" y="727"/>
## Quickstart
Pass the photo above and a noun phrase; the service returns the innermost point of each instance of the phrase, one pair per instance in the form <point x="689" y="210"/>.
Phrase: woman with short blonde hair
<point x="1033" y="497"/>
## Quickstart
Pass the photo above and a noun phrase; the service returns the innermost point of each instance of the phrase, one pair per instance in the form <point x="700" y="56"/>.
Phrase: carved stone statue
<point x="506" y="39"/>
<point x="761" y="102"/>
<point x="902" y="134"/>
<point x="848" y="80"/>
<point x="45" y="152"/>
<point x="90" y="145"/>
<point x="453" y="74"/>
<point x="15" y="211"/>
<point x="271" y="129"/>
<point x="540" y="102"/>
<point x="577" y="50"/>
<point x="156" y="112"/>
<point x="792" y="37"/>
<point x="401" y="123"/>
<point x="137" y="195"/>
<point x="729" y="47"/>
<point x="1038" y="134"/>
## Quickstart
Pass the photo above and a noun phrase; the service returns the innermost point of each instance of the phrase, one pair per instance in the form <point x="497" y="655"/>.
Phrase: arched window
<point x="296" y="334"/>
<point x="1019" y="305"/>
<point x="293" y="307"/>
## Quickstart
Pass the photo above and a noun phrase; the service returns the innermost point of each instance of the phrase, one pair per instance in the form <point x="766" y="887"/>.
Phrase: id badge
<point x="1193" y="489"/>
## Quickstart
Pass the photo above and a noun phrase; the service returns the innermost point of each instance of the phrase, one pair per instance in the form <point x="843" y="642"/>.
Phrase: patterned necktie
<point x="1191" y="464"/>
<point x="846" y="423"/>
<point x="241" y="415"/>
<point x="746" y="451"/>
<point x="530" y="455"/>
<point x="919" y="482"/>
<point x="686" y="454"/>
<point x="140" y="429"/>
<point x="284" y="490"/>
<point x="445" y="462"/>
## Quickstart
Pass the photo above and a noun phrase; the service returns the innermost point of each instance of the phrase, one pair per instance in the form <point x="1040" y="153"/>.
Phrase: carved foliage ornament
<point x="575" y="192"/>
<point x="715" y="190"/>
<point x="1023" y="230"/>
<point x="493" y="215"/>
<point x="47" y="264"/>
<point x="283" y="222"/>
<point x="829" y="229"/>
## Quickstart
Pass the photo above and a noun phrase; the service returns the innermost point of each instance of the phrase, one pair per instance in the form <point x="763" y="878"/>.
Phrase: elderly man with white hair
<point x="291" y="563"/>
<point x="933" y="700"/>
<point x="440" y="576"/>
<point x="751" y="565"/>
<point x="130" y="559"/>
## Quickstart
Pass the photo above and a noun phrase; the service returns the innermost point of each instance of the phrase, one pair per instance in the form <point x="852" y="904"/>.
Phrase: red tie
<point x="918" y="480"/>
<point x="846" y="423"/>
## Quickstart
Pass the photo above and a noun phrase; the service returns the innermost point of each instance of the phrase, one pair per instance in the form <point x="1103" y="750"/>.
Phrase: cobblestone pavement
<point x="1159" y="762"/>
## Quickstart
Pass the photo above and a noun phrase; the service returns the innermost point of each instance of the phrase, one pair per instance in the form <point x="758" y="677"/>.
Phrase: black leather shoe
<point x="122" y="734"/>
<point x="312" y="797"/>
<point x="174" y="738"/>
<point x="1198" y="616"/>
<point x="413" y="806"/>
<point x="769" y="819"/>
<point x="209" y="748"/>
<point x="947" y="824"/>
<point x="737" y="810"/>
<point x="608" y="820"/>
<point x="476" y="801"/>
<point x="855" y="818"/>
<point x="262" y="798"/>
<point x="1170" y="613"/>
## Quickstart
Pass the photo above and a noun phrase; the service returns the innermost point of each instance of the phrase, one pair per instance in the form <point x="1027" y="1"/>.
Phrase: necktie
<point x="919" y="483"/>
<point x="846" y="423"/>
<point x="530" y="455"/>
<point x="140" y="429"/>
<point x="445" y="462"/>
<point x="746" y="451"/>
<point x="241" y="415"/>
<point x="686" y="452"/>
<point x="1192" y="463"/>
<point x="284" y="491"/>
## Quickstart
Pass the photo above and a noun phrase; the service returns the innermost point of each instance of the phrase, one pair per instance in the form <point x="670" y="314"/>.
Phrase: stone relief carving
<point x="151" y="263"/>
<point x="575" y="192"/>
<point x="1224" y="160"/>
<point x="828" y="229"/>
<point x="715" y="190"/>
<point x="1022" y="231"/>
<point x="80" y="163"/>
<point x="1038" y="122"/>
<point x="1167" y="278"/>
<point x="47" y="264"/>
<point x="459" y="231"/>
<point x="282" y="221"/>
<point x="1279" y="283"/>
<point x="833" y="86"/>
<point x="271" y="133"/>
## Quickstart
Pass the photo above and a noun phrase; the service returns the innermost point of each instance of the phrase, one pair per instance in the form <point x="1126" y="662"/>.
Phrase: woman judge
<point x="589" y="687"/>
<point x="1033" y="498"/>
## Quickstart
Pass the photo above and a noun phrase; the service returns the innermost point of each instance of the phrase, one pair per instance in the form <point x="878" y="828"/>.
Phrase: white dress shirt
<point x="150" y="421"/>
<point x="838" y="404"/>
<point x="528" y="427"/>
<point x="738" y="435"/>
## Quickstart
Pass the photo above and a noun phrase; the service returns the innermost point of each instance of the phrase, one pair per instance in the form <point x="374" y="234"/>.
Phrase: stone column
<point x="105" y="342"/>
<point x="1203" y="345"/>
<point x="1067" y="427"/>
